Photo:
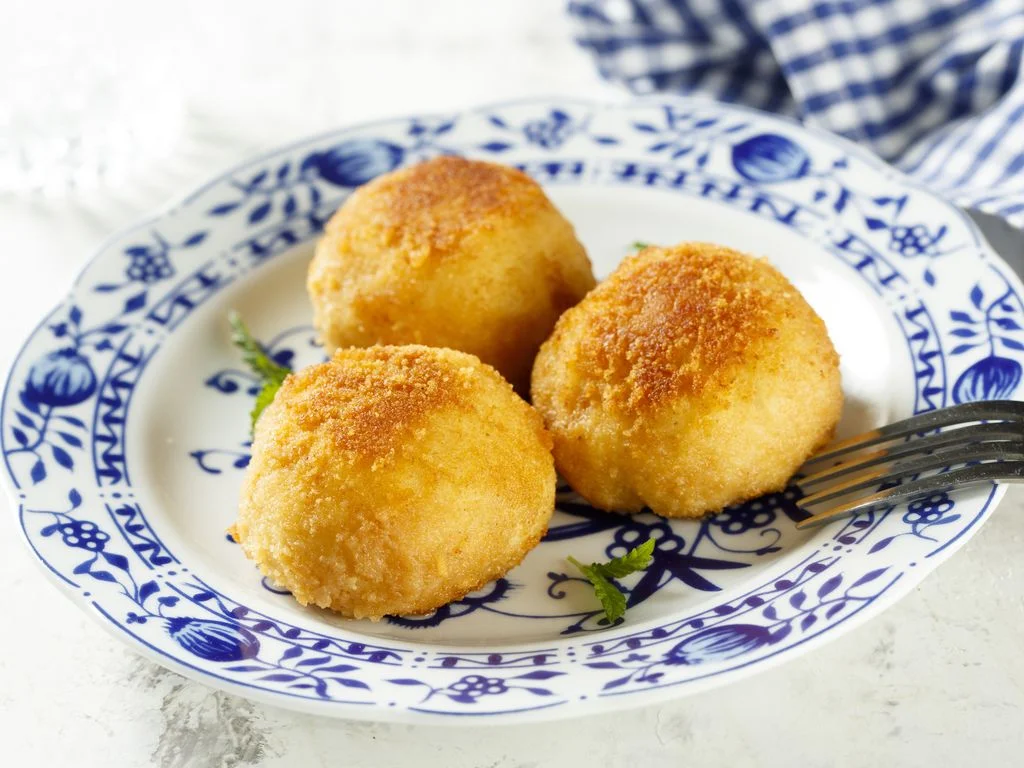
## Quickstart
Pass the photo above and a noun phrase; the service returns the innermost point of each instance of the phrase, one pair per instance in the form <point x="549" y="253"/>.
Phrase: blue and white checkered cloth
<point x="936" y="87"/>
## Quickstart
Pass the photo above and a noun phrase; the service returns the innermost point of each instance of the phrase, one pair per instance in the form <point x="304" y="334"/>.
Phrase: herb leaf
<point x="612" y="599"/>
<point x="601" y="576"/>
<point x="271" y="374"/>
<point x="263" y="399"/>
<point x="639" y="245"/>
<point x="635" y="560"/>
<point x="253" y="353"/>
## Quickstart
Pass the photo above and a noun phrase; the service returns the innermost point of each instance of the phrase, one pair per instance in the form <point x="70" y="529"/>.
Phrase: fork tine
<point x="1007" y="471"/>
<point x="990" y="410"/>
<point x="913" y="466"/>
<point x="999" y="431"/>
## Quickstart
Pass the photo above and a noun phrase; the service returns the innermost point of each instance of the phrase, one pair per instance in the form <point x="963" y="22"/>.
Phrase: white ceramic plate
<point x="124" y="419"/>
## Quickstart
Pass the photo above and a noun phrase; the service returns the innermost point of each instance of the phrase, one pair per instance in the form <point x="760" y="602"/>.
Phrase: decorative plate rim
<point x="893" y="592"/>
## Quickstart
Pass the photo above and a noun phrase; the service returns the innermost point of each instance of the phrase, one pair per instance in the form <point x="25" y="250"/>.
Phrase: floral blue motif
<point x="354" y="162"/>
<point x="83" y="534"/>
<point x="60" y="379"/>
<point x="214" y="461"/>
<point x="148" y="264"/>
<point x="472" y="687"/>
<point x="66" y="377"/>
<point x="213" y="640"/>
<point x="917" y="240"/>
<point x="292" y="189"/>
<point x="770" y="158"/>
<point x="468" y="689"/>
<point x="221" y="640"/>
<point x="287" y="189"/>
<point x="909" y="241"/>
<point x="735" y="630"/>
<point x="921" y="515"/>
<point x="719" y="644"/>
<point x="988" y="324"/>
<point x="68" y="401"/>
<point x="548" y="132"/>
<point x="686" y="133"/>
<point x="990" y="378"/>
<point x="930" y="510"/>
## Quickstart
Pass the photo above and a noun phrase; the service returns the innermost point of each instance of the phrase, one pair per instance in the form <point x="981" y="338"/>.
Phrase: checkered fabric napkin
<point x="936" y="87"/>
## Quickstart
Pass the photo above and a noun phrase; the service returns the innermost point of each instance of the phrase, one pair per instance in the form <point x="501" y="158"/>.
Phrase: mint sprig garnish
<point x="601" y="576"/>
<point x="270" y="374"/>
<point x="639" y="245"/>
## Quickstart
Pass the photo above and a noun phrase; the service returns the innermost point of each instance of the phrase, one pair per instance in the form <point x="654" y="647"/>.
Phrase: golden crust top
<point x="676" y="321"/>
<point x="693" y="378"/>
<point x="368" y="404"/>
<point x="438" y="203"/>
<point x="392" y="480"/>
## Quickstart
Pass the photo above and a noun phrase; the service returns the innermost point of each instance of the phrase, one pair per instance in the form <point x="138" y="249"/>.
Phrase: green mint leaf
<point x="271" y="374"/>
<point x="253" y="353"/>
<point x="263" y="399"/>
<point x="612" y="599"/>
<point x="600" y="576"/>
<point x="639" y="245"/>
<point x="635" y="560"/>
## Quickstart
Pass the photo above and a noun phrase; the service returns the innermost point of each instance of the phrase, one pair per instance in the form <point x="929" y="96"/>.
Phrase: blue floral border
<point x="56" y="385"/>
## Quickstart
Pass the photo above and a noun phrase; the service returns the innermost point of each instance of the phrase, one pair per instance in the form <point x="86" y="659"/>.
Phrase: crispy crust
<point x="392" y="480"/>
<point x="450" y="253"/>
<point x="430" y="208"/>
<point x="675" y="322"/>
<point x="693" y="378"/>
<point x="367" y="400"/>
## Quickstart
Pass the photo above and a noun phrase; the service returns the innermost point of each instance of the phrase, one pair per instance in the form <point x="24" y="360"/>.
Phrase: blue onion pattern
<point x="990" y="323"/>
<point x="991" y="378"/>
<point x="213" y="640"/>
<point x="83" y="534"/>
<point x="928" y="510"/>
<point x="549" y="133"/>
<point x="634" y="533"/>
<point x="769" y="158"/>
<point x="60" y="379"/>
<point x="474" y="686"/>
<point x="355" y="162"/>
<point x="719" y="644"/>
<point x="741" y="518"/>
<point x="148" y="266"/>
<point x="993" y="375"/>
<point x="914" y="241"/>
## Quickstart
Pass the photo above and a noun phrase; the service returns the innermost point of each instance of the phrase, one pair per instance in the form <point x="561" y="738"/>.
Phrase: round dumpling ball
<point x="392" y="480"/>
<point x="693" y="378"/>
<point x="449" y="253"/>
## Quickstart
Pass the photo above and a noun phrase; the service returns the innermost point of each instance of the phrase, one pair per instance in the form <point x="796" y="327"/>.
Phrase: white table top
<point x="936" y="680"/>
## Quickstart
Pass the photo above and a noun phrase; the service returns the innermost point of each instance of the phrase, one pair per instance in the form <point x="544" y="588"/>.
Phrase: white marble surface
<point x="936" y="680"/>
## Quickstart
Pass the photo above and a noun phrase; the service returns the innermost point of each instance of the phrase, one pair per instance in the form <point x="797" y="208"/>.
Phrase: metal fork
<point x="969" y="444"/>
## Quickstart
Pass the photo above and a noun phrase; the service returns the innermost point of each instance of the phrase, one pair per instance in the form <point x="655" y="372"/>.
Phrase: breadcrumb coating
<point x="451" y="253"/>
<point x="693" y="378"/>
<point x="393" y="480"/>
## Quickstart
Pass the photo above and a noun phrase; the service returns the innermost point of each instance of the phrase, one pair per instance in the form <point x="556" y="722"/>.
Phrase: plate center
<point x="193" y="438"/>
